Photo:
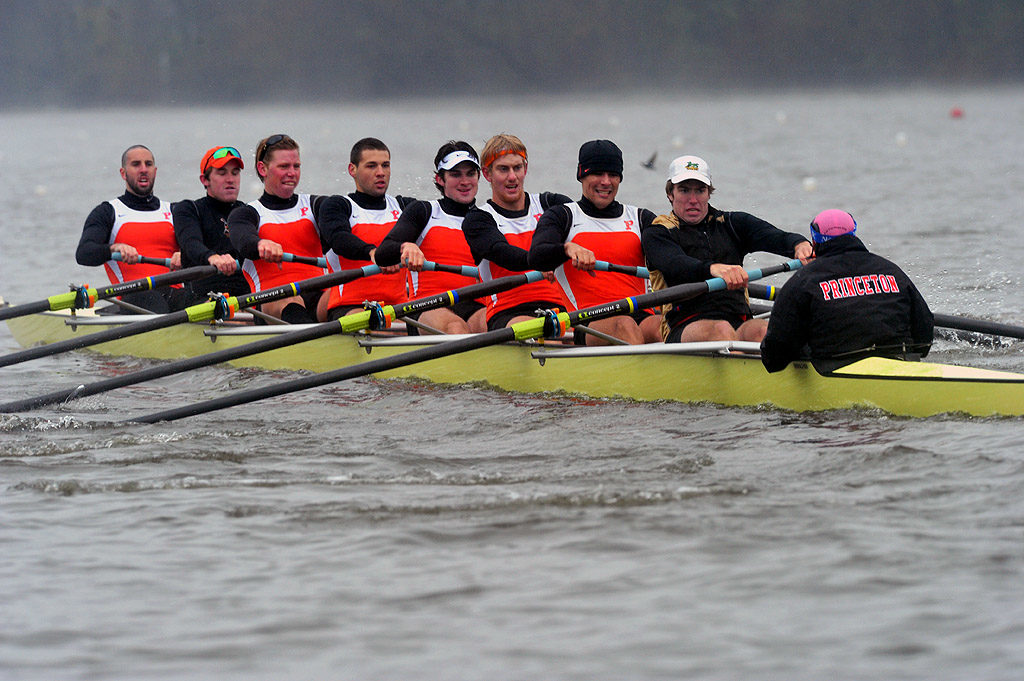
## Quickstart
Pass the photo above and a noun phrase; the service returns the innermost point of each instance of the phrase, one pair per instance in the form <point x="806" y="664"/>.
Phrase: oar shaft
<point x="347" y="324"/>
<point x="177" y="367"/>
<point x="328" y="377"/>
<point x="145" y="260"/>
<point x="635" y="271"/>
<point x="464" y="270"/>
<point x="304" y="259"/>
<point x="978" y="326"/>
<point x="532" y="328"/>
<point x="195" y="313"/>
<point x="66" y="301"/>
<point x="86" y="340"/>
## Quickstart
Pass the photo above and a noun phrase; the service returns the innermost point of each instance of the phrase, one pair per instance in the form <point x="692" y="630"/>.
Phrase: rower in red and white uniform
<point x="353" y="227"/>
<point x="280" y="222"/>
<point x="500" y="231"/>
<point x="135" y="224"/>
<point x="569" y="239"/>
<point x="432" y="230"/>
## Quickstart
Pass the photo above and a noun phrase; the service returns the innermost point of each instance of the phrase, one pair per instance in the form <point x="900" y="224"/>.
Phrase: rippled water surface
<point x="396" y="530"/>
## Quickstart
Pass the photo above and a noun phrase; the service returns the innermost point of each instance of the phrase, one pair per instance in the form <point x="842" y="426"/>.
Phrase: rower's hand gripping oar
<point x="552" y="325"/>
<point x="80" y="297"/>
<point x="375" y="317"/>
<point x="945" y="321"/>
<point x="220" y="307"/>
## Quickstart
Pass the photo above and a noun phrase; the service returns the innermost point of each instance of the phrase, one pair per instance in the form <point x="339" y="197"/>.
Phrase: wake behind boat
<point x="723" y="373"/>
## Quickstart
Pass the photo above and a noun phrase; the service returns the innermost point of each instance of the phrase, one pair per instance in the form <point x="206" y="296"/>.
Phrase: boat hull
<point x="647" y="373"/>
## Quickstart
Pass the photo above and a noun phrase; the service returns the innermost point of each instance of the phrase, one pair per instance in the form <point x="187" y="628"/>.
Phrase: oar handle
<point x="636" y="271"/>
<point x="304" y="259"/>
<point x="464" y="270"/>
<point x="163" y="262"/>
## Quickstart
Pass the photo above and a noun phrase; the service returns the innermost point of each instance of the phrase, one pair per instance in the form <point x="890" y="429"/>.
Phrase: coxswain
<point x="500" y="231"/>
<point x="135" y="224"/>
<point x="201" y="226"/>
<point x="280" y="221"/>
<point x="432" y="230"/>
<point x="848" y="303"/>
<point x="571" y="238"/>
<point x="353" y="227"/>
<point x="696" y="242"/>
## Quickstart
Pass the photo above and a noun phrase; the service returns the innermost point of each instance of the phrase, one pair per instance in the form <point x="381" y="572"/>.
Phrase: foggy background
<point x="178" y="52"/>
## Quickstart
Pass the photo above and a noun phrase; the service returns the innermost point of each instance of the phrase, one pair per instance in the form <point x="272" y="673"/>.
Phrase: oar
<point x="304" y="259"/>
<point x="215" y="309"/>
<point x="639" y="272"/>
<point x="84" y="296"/>
<point x="945" y="321"/>
<point x="348" y="324"/>
<point x="551" y="324"/>
<point x="145" y="260"/>
<point x="464" y="270"/>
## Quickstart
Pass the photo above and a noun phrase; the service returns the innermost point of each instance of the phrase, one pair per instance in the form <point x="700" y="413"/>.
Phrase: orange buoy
<point x="956" y="112"/>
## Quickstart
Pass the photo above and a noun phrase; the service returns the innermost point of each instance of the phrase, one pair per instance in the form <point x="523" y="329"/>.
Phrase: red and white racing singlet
<point x="615" y="240"/>
<point x="518" y="232"/>
<point x="151" y="232"/>
<point x="295" y="229"/>
<point x="371" y="226"/>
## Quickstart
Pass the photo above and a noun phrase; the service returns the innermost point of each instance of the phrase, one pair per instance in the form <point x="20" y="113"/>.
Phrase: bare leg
<point x="650" y="327"/>
<point x="753" y="330"/>
<point x="708" y="330"/>
<point x="620" y="326"/>
<point x="444" y="320"/>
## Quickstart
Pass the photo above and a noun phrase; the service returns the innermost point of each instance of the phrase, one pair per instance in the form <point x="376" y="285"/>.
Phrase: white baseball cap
<point x="689" y="168"/>
<point x="455" y="158"/>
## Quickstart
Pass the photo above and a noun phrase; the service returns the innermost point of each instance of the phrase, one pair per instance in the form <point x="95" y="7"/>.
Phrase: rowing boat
<point x="723" y="373"/>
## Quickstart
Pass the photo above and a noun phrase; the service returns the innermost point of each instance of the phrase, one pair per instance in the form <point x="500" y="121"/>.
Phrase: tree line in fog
<point x="97" y="52"/>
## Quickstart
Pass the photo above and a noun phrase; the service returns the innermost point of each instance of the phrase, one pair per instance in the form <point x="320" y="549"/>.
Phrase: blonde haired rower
<point x="500" y="232"/>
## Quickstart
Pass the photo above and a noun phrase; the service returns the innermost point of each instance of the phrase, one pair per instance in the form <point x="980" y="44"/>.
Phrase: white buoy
<point x="780" y="117"/>
<point x="40" y="190"/>
<point x="901" y="139"/>
<point x="614" y="121"/>
<point x="677" y="142"/>
<point x="810" y="184"/>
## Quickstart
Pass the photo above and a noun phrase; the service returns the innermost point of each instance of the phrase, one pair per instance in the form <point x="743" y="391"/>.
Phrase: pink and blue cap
<point x="831" y="223"/>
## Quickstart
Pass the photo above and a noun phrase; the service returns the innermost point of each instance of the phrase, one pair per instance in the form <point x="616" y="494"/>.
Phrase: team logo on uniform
<point x="167" y="216"/>
<point x="395" y="214"/>
<point x="690" y="165"/>
<point x="304" y="209"/>
<point x="629" y="224"/>
<point x="537" y="216"/>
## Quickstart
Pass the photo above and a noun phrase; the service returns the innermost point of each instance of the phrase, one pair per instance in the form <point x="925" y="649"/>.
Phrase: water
<point x="394" y="530"/>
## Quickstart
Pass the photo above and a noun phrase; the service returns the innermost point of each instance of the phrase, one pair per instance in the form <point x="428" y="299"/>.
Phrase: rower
<point x="280" y="221"/>
<point x="201" y="226"/>
<point x="432" y="230"/>
<point x="353" y="227"/>
<point x="845" y="305"/>
<point x="135" y="224"/>
<point x="570" y="238"/>
<point x="500" y="231"/>
<point x="696" y="242"/>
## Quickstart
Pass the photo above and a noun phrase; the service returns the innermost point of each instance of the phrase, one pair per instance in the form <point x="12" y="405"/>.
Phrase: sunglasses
<point x="225" y="151"/>
<point x="271" y="141"/>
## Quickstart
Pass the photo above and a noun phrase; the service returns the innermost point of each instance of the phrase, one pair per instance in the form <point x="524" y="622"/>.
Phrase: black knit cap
<point x="599" y="156"/>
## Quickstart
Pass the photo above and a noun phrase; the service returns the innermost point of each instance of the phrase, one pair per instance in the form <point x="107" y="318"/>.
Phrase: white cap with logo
<point x="689" y="168"/>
